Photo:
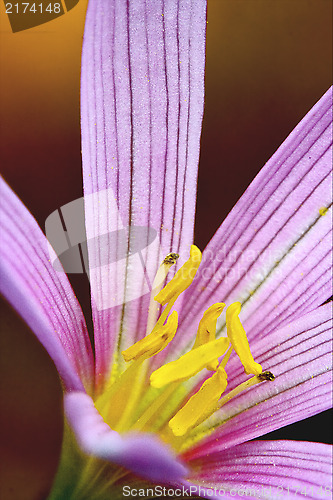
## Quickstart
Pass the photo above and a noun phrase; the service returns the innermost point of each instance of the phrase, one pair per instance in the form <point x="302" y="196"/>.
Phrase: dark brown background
<point x="268" y="62"/>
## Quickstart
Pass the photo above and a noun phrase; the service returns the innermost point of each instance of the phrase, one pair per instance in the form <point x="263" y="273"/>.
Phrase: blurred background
<point x="268" y="62"/>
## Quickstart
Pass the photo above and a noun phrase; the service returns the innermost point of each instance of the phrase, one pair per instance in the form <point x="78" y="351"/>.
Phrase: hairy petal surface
<point x="142" y="104"/>
<point x="143" y="454"/>
<point x="43" y="297"/>
<point x="269" y="469"/>
<point x="273" y="253"/>
<point x="300" y="356"/>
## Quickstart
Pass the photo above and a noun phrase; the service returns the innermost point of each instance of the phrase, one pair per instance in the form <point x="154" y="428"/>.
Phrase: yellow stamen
<point x="238" y="339"/>
<point x="206" y="428"/>
<point x="155" y="342"/>
<point x="162" y="272"/>
<point x="189" y="364"/>
<point x="180" y="282"/>
<point x="161" y="407"/>
<point x="207" y="329"/>
<point x="196" y="407"/>
<point x="182" y="279"/>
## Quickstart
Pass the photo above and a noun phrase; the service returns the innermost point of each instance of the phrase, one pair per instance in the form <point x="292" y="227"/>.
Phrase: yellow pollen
<point x="238" y="339"/>
<point x="189" y="364"/>
<point x="323" y="210"/>
<point x="155" y="342"/>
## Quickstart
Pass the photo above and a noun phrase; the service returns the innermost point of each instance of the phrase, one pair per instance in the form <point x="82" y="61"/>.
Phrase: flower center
<point x="159" y="402"/>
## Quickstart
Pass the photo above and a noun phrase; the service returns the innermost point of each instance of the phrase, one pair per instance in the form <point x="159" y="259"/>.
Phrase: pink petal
<point x="300" y="356"/>
<point x="270" y="469"/>
<point x="143" y="454"/>
<point x="43" y="297"/>
<point x="273" y="253"/>
<point x="142" y="104"/>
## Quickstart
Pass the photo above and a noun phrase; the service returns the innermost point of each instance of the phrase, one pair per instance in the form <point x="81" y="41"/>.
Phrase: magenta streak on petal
<point x="272" y="227"/>
<point x="300" y="356"/>
<point x="282" y="468"/>
<point x="42" y="296"/>
<point x="142" y="103"/>
<point x="143" y="454"/>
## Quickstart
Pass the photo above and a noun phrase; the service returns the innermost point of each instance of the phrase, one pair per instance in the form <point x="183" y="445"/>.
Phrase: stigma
<point x="177" y="417"/>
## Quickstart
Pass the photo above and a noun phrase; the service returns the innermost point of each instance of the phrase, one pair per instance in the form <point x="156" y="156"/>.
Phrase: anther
<point x="179" y="283"/>
<point x="238" y="339"/>
<point x="189" y="364"/>
<point x="207" y="330"/>
<point x="201" y="405"/>
<point x="155" y="342"/>
<point x="182" y="279"/>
